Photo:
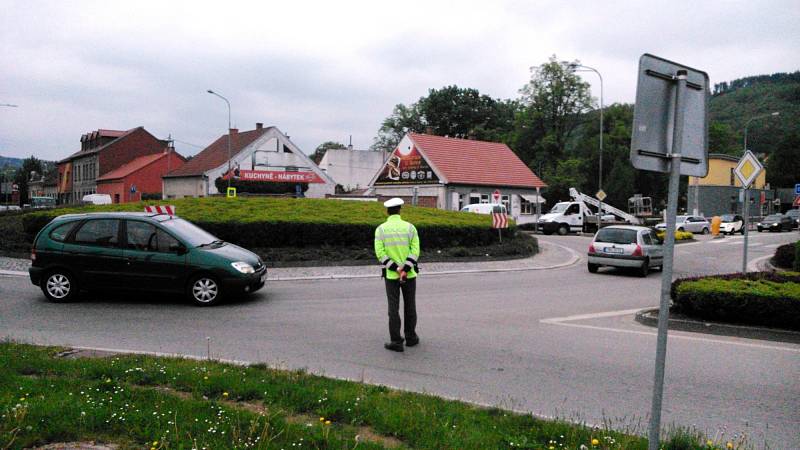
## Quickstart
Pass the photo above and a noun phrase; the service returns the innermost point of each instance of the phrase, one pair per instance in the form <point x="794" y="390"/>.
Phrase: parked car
<point x="626" y="246"/>
<point x="695" y="224"/>
<point x="141" y="251"/>
<point x="794" y="214"/>
<point x="731" y="223"/>
<point x="484" y="208"/>
<point x="96" y="199"/>
<point x="775" y="222"/>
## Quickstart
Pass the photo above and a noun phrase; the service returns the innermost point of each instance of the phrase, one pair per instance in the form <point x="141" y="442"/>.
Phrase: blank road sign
<point x="654" y="117"/>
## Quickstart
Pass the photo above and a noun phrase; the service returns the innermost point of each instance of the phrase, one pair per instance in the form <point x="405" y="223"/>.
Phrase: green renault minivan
<point x="142" y="252"/>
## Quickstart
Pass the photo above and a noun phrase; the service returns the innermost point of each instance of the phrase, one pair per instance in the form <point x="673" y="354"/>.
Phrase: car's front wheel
<point x="59" y="286"/>
<point x="204" y="290"/>
<point x="705" y="230"/>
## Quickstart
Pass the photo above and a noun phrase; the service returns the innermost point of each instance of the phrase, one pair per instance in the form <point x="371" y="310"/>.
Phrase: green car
<point x="142" y="252"/>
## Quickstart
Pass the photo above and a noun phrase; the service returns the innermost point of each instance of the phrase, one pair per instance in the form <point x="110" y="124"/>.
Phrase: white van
<point x="484" y="208"/>
<point x="96" y="199"/>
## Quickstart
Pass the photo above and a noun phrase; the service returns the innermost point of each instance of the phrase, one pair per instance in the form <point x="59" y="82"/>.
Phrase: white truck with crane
<point x="577" y="216"/>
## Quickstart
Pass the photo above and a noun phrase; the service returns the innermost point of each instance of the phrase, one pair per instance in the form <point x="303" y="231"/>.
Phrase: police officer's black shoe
<point x="410" y="342"/>
<point x="394" y="346"/>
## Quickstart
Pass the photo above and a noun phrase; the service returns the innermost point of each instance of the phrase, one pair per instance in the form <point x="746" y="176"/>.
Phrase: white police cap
<point x="393" y="202"/>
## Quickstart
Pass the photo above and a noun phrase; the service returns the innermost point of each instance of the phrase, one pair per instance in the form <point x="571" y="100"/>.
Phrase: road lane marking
<point x="13" y="273"/>
<point x="565" y="322"/>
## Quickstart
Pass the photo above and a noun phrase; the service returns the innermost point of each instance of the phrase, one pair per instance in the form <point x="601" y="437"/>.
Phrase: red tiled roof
<point x="132" y="166"/>
<point x="217" y="153"/>
<point x="122" y="134"/>
<point x="464" y="161"/>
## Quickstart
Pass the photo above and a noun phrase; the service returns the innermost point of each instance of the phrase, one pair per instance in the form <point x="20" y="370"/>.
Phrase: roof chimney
<point x="259" y="125"/>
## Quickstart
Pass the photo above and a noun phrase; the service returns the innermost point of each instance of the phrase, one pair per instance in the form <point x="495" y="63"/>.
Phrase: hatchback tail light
<point x="33" y="254"/>
<point x="638" y="251"/>
<point x="591" y="248"/>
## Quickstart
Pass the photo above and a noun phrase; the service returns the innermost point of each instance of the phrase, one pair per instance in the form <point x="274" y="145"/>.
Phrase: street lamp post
<point x="229" y="132"/>
<point x="600" y="172"/>
<point x="745" y="196"/>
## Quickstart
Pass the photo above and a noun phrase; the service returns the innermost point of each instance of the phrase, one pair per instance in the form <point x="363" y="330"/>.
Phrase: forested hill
<point x="776" y="137"/>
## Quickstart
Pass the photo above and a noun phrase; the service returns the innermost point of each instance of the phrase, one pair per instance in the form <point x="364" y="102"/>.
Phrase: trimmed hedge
<point x="797" y="256"/>
<point x="784" y="256"/>
<point x="756" y="298"/>
<point x="284" y="222"/>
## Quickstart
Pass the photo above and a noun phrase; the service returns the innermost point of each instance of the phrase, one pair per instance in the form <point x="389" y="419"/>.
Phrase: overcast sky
<point x="326" y="70"/>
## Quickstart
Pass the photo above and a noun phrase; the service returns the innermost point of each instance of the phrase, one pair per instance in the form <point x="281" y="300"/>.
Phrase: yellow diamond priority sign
<point x="601" y="195"/>
<point x="748" y="169"/>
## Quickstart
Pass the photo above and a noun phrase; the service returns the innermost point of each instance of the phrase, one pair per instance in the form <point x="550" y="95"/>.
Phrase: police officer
<point x="397" y="249"/>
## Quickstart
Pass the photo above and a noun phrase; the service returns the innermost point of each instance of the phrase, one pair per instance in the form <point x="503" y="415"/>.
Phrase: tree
<point x="553" y="101"/>
<point x="783" y="164"/>
<point x="722" y="139"/>
<point x="322" y="148"/>
<point x="449" y="111"/>
<point x="30" y="166"/>
<point x="566" y="174"/>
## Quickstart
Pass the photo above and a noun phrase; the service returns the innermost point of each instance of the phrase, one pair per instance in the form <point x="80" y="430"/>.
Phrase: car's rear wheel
<point x="592" y="267"/>
<point x="204" y="290"/>
<point x="59" y="286"/>
<point x="645" y="269"/>
<point x="563" y="230"/>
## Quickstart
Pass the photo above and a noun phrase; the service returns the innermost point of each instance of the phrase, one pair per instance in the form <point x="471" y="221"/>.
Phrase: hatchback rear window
<point x="59" y="233"/>
<point x="616" y="236"/>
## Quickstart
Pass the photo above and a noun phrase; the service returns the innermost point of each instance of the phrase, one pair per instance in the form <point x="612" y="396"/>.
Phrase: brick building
<point x="130" y="181"/>
<point x="101" y="152"/>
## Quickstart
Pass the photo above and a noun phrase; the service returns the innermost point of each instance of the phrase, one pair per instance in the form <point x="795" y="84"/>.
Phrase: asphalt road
<point x="558" y="342"/>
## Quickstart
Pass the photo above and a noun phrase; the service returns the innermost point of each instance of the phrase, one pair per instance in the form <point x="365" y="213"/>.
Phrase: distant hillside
<point x="777" y="138"/>
<point x="8" y="161"/>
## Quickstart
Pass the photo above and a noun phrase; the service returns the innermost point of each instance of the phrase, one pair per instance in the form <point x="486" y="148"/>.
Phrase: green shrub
<point x="285" y="222"/>
<point x="785" y="256"/>
<point x="760" y="298"/>
<point x="796" y="267"/>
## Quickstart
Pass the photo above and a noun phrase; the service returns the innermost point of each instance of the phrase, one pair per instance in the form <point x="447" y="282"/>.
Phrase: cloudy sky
<point x="326" y="70"/>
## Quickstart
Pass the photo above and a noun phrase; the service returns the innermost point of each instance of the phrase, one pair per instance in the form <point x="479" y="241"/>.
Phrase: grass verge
<point x="170" y="403"/>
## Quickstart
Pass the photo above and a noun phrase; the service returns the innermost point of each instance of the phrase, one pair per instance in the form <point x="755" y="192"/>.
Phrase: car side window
<point x="60" y="233"/>
<point x="141" y="236"/>
<point x="102" y="232"/>
<point x="573" y="209"/>
<point x="165" y="243"/>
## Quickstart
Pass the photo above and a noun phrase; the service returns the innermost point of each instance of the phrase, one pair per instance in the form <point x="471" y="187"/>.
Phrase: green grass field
<point x="271" y="209"/>
<point x="171" y="403"/>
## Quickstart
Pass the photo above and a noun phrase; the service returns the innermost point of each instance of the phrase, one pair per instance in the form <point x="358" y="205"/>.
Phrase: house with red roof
<point x="262" y="155"/>
<point x="450" y="173"/>
<point x="140" y="176"/>
<point x="101" y="152"/>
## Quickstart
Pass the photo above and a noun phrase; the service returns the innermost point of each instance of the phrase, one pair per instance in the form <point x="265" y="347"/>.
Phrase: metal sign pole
<point x="745" y="213"/>
<point x="669" y="247"/>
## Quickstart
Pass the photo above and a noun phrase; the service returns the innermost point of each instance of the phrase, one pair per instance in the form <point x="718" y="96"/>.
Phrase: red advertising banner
<point x="276" y="176"/>
<point x="407" y="166"/>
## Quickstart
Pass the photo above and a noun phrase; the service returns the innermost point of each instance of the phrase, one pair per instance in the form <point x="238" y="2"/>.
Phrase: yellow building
<point x="720" y="192"/>
<point x="720" y="173"/>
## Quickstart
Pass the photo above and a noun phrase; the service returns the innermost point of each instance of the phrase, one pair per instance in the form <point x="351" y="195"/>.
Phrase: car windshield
<point x="679" y="219"/>
<point x="728" y="218"/>
<point x="189" y="232"/>
<point x="774" y="217"/>
<point x="793" y="213"/>
<point x="559" y="208"/>
<point x="616" y="236"/>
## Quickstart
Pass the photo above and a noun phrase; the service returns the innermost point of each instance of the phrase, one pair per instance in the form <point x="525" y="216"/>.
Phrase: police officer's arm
<point x="380" y="251"/>
<point x="413" y="249"/>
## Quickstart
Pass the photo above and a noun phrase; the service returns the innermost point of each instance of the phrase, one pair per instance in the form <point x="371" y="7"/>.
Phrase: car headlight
<point x="243" y="267"/>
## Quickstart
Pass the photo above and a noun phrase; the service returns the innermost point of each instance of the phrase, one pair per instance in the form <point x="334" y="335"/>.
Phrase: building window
<point x="733" y="177"/>
<point x="484" y="198"/>
<point x="525" y="206"/>
<point x="506" y="201"/>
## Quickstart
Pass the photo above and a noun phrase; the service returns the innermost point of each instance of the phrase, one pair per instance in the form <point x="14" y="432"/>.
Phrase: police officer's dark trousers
<point x="409" y="289"/>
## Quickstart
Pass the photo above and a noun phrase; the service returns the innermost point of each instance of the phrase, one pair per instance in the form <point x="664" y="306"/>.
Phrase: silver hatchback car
<point x="626" y="246"/>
